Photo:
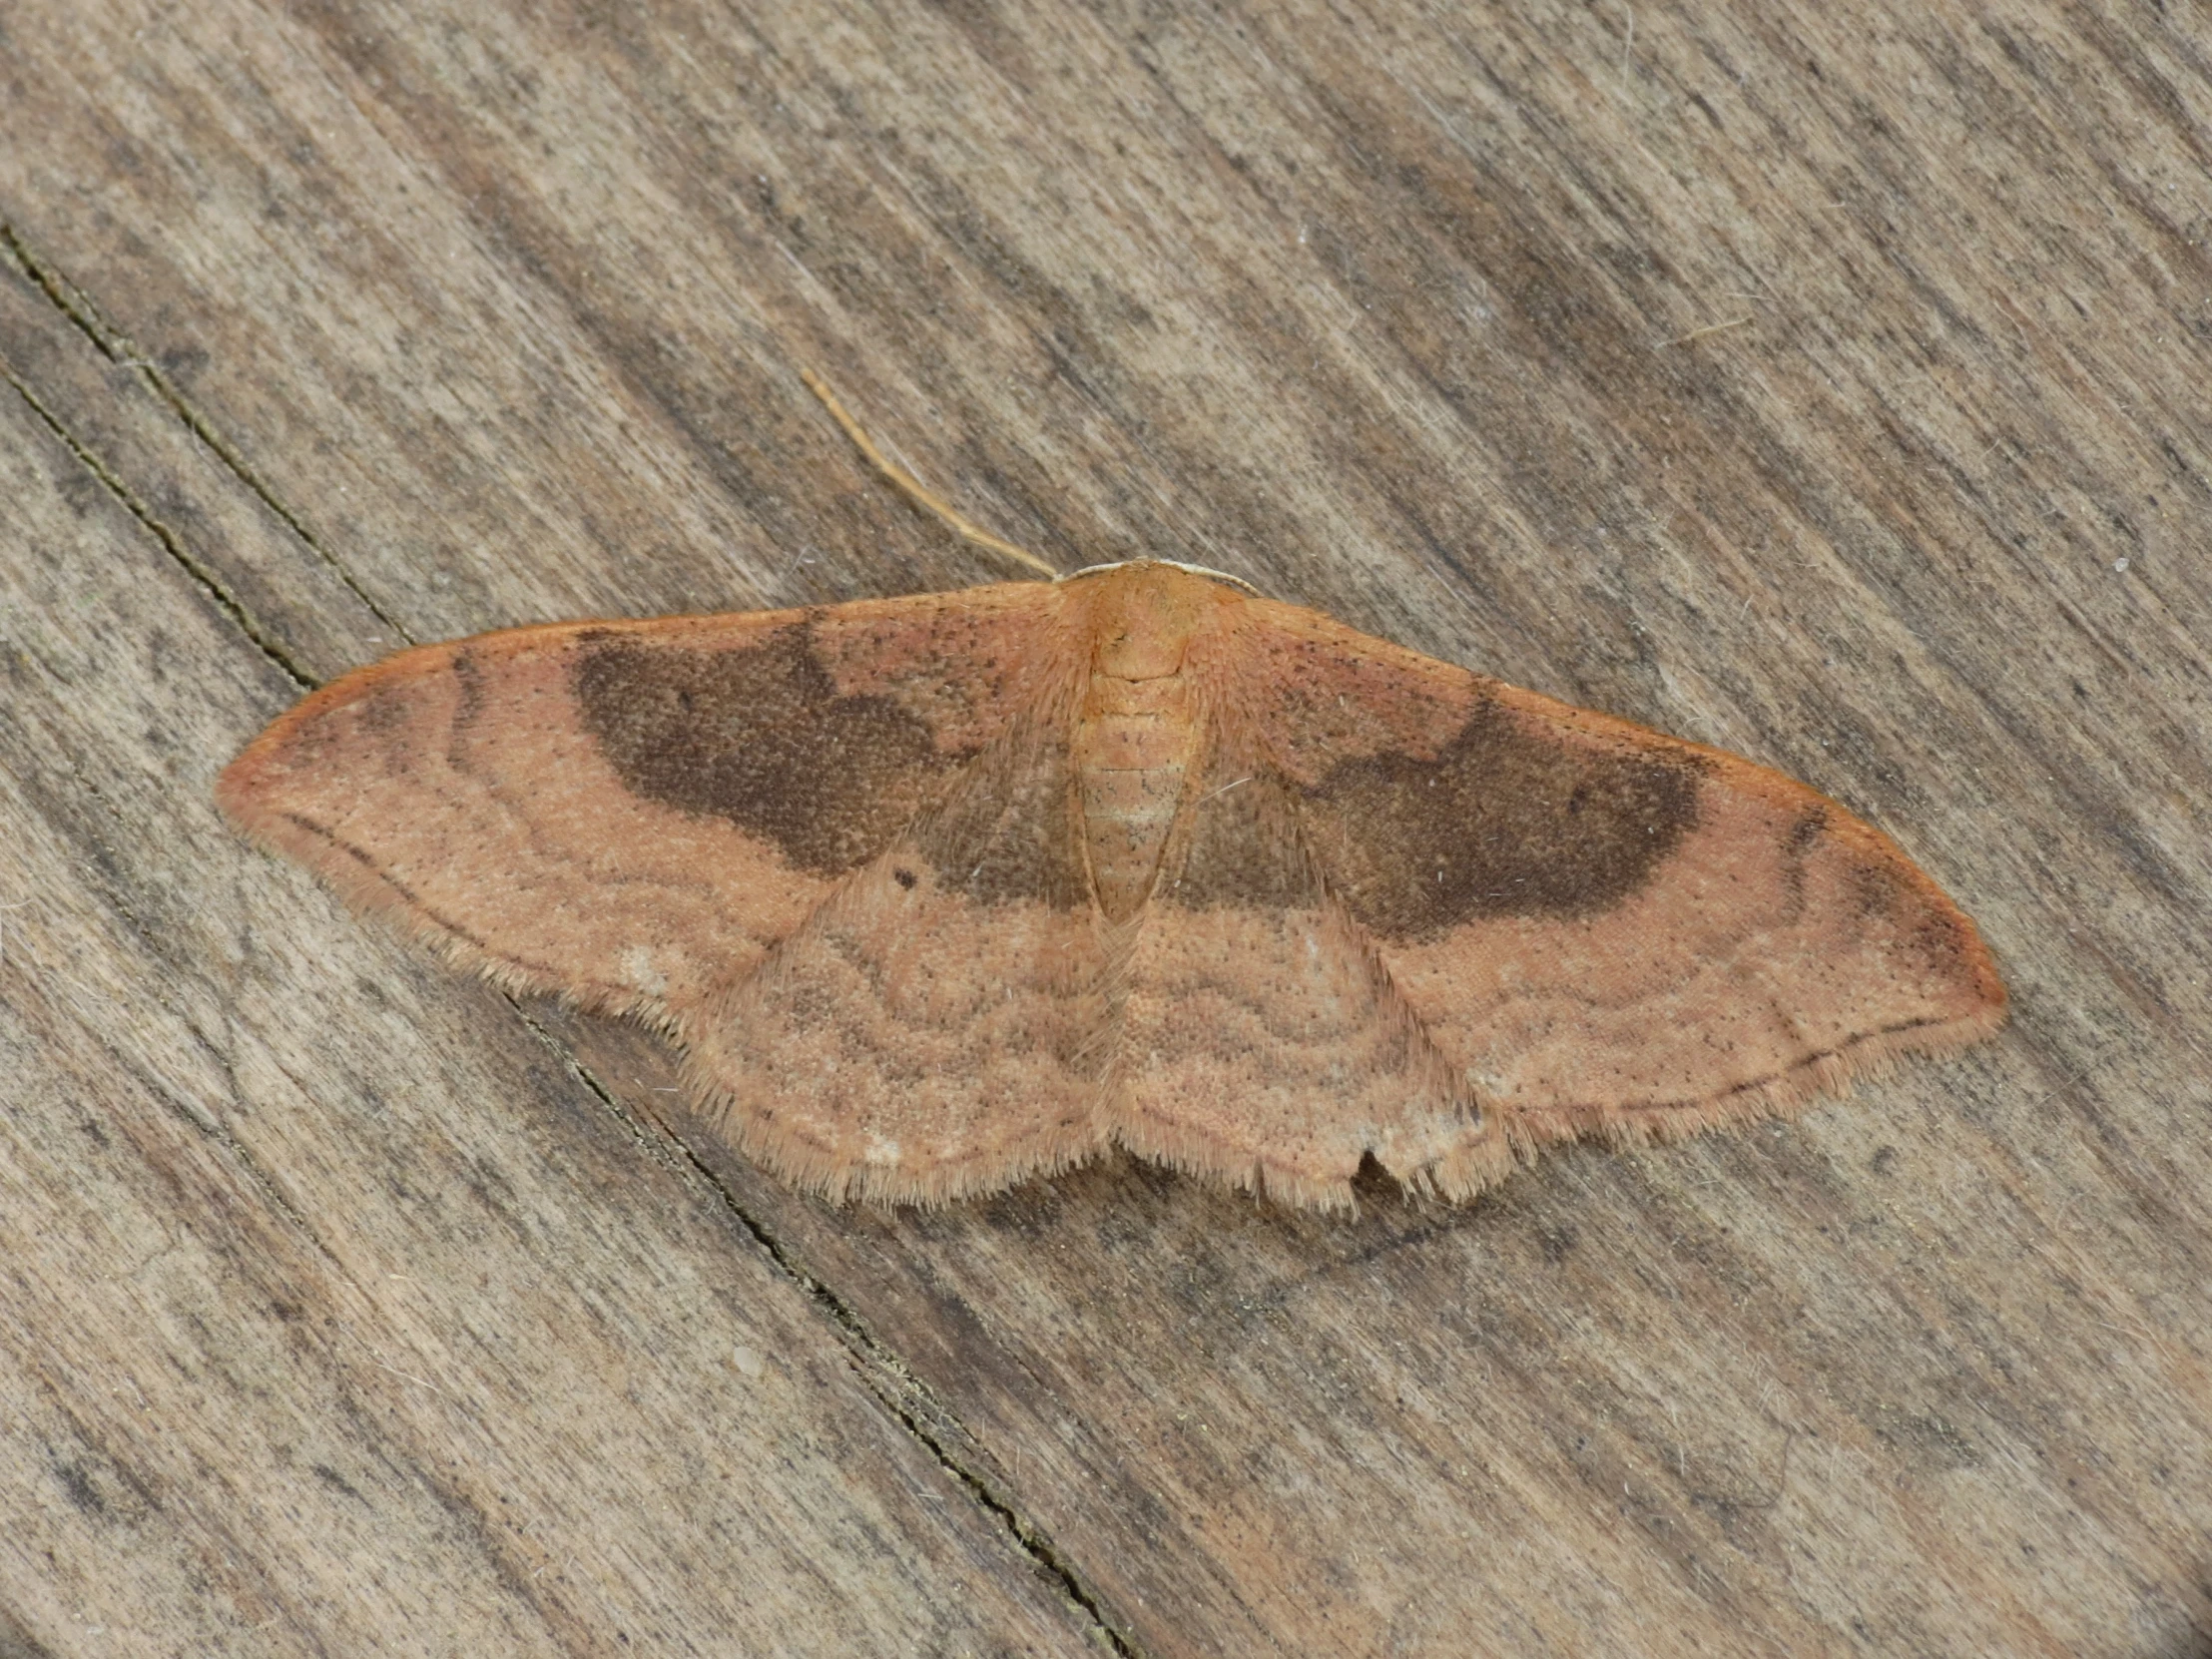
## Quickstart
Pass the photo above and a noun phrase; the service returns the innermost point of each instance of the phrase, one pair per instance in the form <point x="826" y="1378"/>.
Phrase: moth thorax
<point x="1133" y="748"/>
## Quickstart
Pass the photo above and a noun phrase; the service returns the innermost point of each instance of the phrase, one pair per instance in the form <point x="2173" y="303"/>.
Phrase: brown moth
<point x="942" y="892"/>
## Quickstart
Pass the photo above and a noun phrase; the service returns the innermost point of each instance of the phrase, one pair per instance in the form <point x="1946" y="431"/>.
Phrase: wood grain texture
<point x="336" y="328"/>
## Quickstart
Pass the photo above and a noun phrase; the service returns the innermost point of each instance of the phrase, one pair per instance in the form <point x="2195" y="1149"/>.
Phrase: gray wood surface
<point x="1828" y="384"/>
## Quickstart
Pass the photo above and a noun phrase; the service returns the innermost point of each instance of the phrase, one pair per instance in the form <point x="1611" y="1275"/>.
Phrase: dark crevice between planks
<point x="910" y="1401"/>
<point x="118" y="347"/>
<point x="171" y="544"/>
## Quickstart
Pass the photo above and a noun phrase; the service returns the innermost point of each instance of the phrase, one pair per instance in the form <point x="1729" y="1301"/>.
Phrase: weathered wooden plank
<point x="304" y="1349"/>
<point x="1400" y="312"/>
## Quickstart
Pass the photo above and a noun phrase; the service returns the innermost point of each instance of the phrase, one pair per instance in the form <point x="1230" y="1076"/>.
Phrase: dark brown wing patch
<point x="762" y="737"/>
<point x="1503" y="822"/>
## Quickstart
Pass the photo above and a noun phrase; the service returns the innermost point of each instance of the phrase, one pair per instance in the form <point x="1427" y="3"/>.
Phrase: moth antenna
<point x="959" y="522"/>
